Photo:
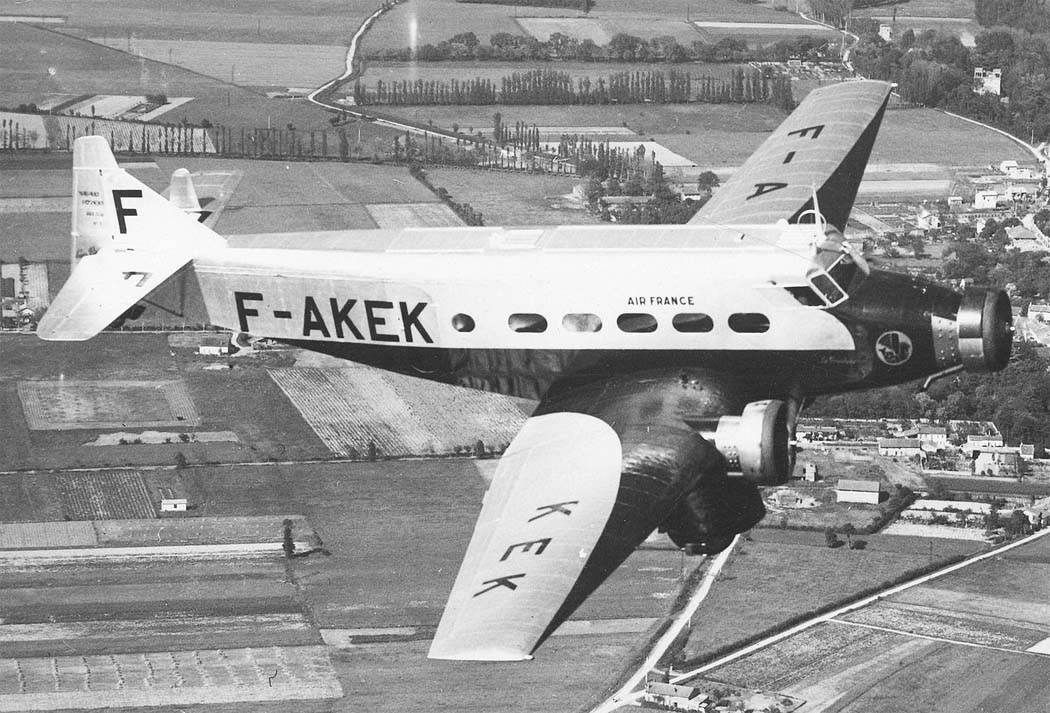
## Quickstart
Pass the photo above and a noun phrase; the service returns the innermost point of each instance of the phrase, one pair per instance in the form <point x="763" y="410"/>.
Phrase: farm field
<point x="83" y="67"/>
<point x="963" y="642"/>
<point x="758" y="591"/>
<point x="402" y="418"/>
<point x="537" y="200"/>
<point x="252" y="64"/>
<point x="315" y="21"/>
<point x="416" y="23"/>
<point x="75" y="404"/>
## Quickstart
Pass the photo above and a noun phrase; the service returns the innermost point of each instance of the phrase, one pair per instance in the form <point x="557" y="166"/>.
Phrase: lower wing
<point x="593" y="472"/>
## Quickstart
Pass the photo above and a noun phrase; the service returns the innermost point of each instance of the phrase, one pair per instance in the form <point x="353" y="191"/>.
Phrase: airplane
<point x="670" y="362"/>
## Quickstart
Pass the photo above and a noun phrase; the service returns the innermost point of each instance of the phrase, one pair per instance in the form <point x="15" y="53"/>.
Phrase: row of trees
<point x="548" y="86"/>
<point x="622" y="47"/>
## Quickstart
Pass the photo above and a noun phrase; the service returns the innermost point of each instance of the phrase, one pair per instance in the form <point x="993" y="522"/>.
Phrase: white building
<point x="899" y="447"/>
<point x="674" y="697"/>
<point x="858" y="491"/>
<point x="985" y="200"/>
<point x="988" y="81"/>
<point x="996" y="461"/>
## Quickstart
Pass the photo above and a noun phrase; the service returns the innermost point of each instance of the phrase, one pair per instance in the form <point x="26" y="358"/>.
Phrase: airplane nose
<point x="985" y="329"/>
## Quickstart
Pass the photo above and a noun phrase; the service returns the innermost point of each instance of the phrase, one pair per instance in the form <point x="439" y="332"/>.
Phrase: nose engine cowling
<point x="985" y="329"/>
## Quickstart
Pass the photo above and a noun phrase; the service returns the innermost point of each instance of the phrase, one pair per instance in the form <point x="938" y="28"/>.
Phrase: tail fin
<point x="127" y="240"/>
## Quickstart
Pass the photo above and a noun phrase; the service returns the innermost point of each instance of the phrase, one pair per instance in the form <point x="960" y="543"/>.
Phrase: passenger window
<point x="637" y="322"/>
<point x="692" y="322"/>
<point x="582" y="322"/>
<point x="527" y="322"/>
<point x="749" y="322"/>
<point x="463" y="323"/>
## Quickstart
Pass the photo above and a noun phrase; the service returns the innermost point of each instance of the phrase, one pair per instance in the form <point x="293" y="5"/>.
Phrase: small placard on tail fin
<point x="127" y="240"/>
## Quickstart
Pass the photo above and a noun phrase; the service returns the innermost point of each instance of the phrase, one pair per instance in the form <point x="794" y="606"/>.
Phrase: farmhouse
<point x="858" y="491"/>
<point x="981" y="442"/>
<point x="674" y="697"/>
<point x="214" y="345"/>
<point x="930" y="437"/>
<point x="900" y="447"/>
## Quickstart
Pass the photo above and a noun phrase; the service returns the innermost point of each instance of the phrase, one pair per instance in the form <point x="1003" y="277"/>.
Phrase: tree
<point x="180" y="460"/>
<point x="288" y="544"/>
<point x="830" y="538"/>
<point x="706" y="181"/>
<point x="848" y="530"/>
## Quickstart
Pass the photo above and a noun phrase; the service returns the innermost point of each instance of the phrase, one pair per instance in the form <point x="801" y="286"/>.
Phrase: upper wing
<point x="823" y="147"/>
<point x="587" y="479"/>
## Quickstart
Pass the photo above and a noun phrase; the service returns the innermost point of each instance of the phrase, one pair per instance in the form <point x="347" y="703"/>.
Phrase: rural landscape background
<point x="329" y="504"/>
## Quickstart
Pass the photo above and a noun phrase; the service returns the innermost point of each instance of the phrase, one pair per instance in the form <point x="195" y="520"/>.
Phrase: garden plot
<point x="71" y="404"/>
<point x="167" y="678"/>
<point x="106" y="495"/>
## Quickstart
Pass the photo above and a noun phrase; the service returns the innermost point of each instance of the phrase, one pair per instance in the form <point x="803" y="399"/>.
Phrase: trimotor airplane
<point x="670" y="362"/>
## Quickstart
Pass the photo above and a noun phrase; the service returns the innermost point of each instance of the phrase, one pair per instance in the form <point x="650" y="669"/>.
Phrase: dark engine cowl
<point x="757" y="443"/>
<point x="707" y="518"/>
<point x="985" y="325"/>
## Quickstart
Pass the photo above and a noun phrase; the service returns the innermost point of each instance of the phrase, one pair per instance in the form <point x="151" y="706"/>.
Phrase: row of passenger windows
<point x="632" y="322"/>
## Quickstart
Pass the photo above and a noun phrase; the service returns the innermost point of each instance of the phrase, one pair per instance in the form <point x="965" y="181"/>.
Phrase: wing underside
<point x="822" y="147"/>
<point x="587" y="479"/>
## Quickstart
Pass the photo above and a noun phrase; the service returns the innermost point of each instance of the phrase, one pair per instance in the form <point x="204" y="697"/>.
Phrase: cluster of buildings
<point x="23" y="294"/>
<point x="979" y="443"/>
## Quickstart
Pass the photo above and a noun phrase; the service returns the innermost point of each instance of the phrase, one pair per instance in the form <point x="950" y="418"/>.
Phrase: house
<point x="900" y="447"/>
<point x="983" y="442"/>
<point x="996" y="461"/>
<point x="173" y="505"/>
<point x="816" y="432"/>
<point x="858" y="491"/>
<point x="809" y="472"/>
<point x="985" y="200"/>
<point x="886" y="32"/>
<point x="1026" y="451"/>
<point x="930" y="438"/>
<point x="787" y="498"/>
<point x="955" y="202"/>
<point x="1039" y="311"/>
<point x="214" y="345"/>
<point x="988" y="81"/>
<point x="674" y="697"/>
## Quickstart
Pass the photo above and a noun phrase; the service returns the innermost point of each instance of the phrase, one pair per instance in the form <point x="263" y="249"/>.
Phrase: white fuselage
<point x="594" y="288"/>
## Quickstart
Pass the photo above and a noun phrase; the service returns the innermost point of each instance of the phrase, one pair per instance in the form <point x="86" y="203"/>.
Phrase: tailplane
<point x="126" y="241"/>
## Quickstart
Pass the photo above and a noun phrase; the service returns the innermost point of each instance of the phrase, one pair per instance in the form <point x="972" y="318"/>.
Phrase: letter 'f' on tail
<point x="126" y="241"/>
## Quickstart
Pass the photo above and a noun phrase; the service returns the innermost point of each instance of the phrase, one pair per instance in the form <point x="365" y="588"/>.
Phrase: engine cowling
<point x="985" y="329"/>
<point x="757" y="443"/>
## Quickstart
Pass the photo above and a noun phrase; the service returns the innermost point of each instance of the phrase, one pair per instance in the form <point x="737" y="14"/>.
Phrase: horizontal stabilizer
<point x="102" y="287"/>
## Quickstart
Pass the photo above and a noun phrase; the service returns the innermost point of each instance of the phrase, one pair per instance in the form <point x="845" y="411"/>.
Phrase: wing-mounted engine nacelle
<point x="757" y="443"/>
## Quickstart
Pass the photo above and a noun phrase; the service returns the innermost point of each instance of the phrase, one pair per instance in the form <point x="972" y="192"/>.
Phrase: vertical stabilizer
<point x="127" y="241"/>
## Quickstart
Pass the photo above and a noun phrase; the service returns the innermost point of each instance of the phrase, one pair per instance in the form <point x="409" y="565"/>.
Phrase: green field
<point x="81" y="67"/>
<point x="538" y="200"/>
<point x="773" y="578"/>
<point x="312" y="22"/>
